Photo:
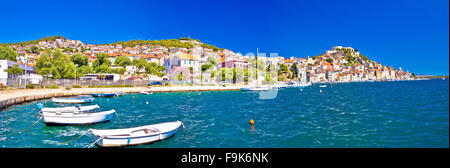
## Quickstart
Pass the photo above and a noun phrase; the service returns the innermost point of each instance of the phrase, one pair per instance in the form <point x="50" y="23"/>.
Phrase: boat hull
<point x="146" y="93"/>
<point x="123" y="137"/>
<point x="72" y="109"/>
<point x="73" y="100"/>
<point x="132" y="141"/>
<point x="103" y="94"/>
<point x="255" y="89"/>
<point x="76" y="119"/>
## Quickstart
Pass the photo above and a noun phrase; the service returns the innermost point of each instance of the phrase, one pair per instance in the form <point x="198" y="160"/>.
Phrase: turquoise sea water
<point x="374" y="114"/>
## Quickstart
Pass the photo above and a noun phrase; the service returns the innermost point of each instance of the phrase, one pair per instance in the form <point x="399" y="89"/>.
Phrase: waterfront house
<point x="233" y="64"/>
<point x="181" y="59"/>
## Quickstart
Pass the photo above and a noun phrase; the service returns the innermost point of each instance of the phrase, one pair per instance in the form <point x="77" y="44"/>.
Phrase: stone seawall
<point x="13" y="97"/>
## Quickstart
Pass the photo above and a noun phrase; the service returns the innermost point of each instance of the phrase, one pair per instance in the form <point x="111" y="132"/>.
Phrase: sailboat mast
<point x="256" y="62"/>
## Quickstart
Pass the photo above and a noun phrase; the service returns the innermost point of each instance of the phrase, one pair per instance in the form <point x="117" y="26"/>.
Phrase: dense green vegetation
<point x="35" y="42"/>
<point x="177" y="43"/>
<point x="15" y="70"/>
<point x="132" y="43"/>
<point x="58" y="65"/>
<point x="7" y="53"/>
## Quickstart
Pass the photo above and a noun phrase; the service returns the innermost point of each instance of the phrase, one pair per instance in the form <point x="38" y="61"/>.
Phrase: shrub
<point x="109" y="86"/>
<point x="52" y="87"/>
<point x="2" y="86"/>
<point x="76" y="86"/>
<point x="30" y="86"/>
<point x="68" y="87"/>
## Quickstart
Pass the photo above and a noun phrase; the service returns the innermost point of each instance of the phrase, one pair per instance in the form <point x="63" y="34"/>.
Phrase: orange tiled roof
<point x="326" y="64"/>
<point x="147" y="56"/>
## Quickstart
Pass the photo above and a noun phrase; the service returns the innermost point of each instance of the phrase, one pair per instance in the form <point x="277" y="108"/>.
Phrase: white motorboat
<point x="303" y="84"/>
<point x="254" y="88"/>
<point x="91" y="108"/>
<point x="136" y="135"/>
<point x="73" y="100"/>
<point x="76" y="118"/>
<point x="322" y="86"/>
<point x="146" y="92"/>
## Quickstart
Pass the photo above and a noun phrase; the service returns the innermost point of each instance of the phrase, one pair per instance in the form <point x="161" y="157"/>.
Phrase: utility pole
<point x="256" y="63"/>
<point x="26" y="64"/>
<point x="76" y="73"/>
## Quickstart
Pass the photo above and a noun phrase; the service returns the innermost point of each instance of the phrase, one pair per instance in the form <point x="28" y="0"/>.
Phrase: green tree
<point x="284" y="68"/>
<point x="121" y="71"/>
<point x="212" y="60"/>
<point x="85" y="69"/>
<point x="206" y="66"/>
<point x="79" y="59"/>
<point x="363" y="57"/>
<point x="34" y="50"/>
<point x="45" y="72"/>
<point x="122" y="61"/>
<point x="226" y="74"/>
<point x="140" y="64"/>
<point x="15" y="70"/>
<point x="238" y="74"/>
<point x="102" y="64"/>
<point x="180" y="76"/>
<point x="294" y="70"/>
<point x="102" y="58"/>
<point x="44" y="61"/>
<point x="104" y="68"/>
<point x="7" y="53"/>
<point x="329" y="60"/>
<point x="62" y="67"/>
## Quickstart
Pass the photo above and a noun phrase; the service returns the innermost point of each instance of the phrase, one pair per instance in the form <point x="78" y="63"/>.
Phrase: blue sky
<point x="410" y="34"/>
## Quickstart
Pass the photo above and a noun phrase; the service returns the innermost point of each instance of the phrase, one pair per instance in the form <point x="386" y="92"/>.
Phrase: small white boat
<point x="254" y="88"/>
<point x="120" y="94"/>
<point x="146" y="92"/>
<point x="322" y="85"/>
<point x="91" y="108"/>
<point x="135" y="136"/>
<point x="73" y="100"/>
<point x="304" y="84"/>
<point x="76" y="118"/>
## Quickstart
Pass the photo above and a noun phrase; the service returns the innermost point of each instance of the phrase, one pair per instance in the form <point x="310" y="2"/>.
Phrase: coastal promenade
<point x="12" y="97"/>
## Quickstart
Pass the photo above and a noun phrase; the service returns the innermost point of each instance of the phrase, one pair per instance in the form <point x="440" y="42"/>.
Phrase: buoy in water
<point x="146" y="102"/>
<point x="252" y="122"/>
<point x="320" y="90"/>
<point x="133" y="97"/>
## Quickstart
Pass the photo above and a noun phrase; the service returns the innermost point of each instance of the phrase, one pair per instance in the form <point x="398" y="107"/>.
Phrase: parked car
<point x="155" y="84"/>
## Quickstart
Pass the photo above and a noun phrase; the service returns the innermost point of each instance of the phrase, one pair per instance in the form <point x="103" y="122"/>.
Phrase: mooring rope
<point x="117" y="115"/>
<point x="75" y="138"/>
<point x="184" y="128"/>
<point x="36" y="113"/>
<point x="33" y="124"/>
<point x="90" y="145"/>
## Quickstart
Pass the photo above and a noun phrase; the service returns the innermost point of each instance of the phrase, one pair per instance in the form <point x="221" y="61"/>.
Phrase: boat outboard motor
<point x="40" y="106"/>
